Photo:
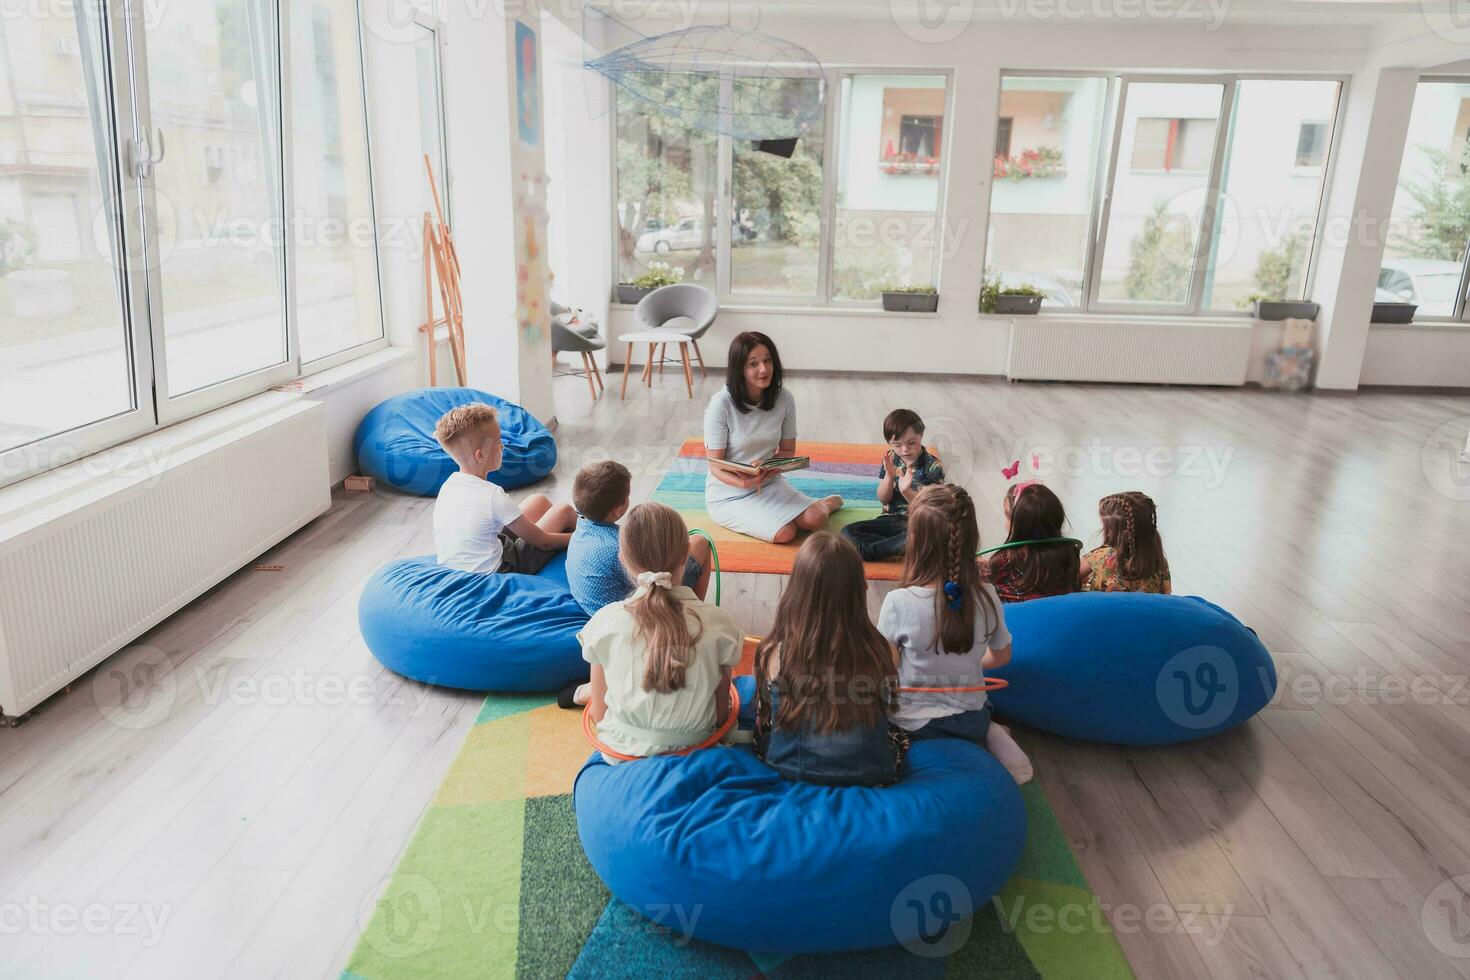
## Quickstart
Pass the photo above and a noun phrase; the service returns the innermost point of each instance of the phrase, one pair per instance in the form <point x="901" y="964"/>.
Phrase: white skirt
<point x="759" y="514"/>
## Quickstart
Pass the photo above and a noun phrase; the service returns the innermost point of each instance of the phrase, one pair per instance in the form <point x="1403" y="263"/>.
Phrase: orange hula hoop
<point x="991" y="684"/>
<point x="719" y="733"/>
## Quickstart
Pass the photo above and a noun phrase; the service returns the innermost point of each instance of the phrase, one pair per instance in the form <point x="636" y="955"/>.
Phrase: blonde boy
<point x="477" y="527"/>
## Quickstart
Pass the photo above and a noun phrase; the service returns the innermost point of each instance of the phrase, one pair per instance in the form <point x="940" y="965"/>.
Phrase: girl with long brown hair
<point x="1131" y="558"/>
<point x="825" y="677"/>
<point x="661" y="660"/>
<point x="1032" y="571"/>
<point x="946" y="622"/>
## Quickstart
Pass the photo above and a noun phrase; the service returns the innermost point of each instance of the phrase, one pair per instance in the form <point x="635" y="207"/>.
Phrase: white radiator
<point x="87" y="572"/>
<point x="1055" y="349"/>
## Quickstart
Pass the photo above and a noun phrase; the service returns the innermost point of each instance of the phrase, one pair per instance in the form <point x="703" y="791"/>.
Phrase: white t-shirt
<point x="468" y="517"/>
<point x="640" y="722"/>
<point x="908" y="621"/>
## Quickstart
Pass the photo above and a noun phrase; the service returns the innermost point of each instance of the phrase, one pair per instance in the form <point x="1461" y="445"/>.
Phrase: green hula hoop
<point x="1017" y="544"/>
<point x="714" y="554"/>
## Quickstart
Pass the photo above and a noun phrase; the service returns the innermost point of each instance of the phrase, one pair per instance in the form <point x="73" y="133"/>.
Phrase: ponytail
<point x="654" y="543"/>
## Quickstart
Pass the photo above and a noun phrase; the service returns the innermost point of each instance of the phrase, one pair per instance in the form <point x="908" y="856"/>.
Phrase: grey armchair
<point x="682" y="308"/>
<point x="585" y="325"/>
<point x="564" y="339"/>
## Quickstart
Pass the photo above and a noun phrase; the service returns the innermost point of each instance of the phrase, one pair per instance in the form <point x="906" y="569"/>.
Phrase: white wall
<point x="578" y="195"/>
<point x="958" y="339"/>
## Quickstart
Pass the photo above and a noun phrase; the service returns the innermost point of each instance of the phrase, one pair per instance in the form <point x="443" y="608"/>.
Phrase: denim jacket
<point x="856" y="757"/>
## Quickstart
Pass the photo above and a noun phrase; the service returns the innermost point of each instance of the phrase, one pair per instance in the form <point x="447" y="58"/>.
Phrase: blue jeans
<point x="856" y="757"/>
<point x="971" y="726"/>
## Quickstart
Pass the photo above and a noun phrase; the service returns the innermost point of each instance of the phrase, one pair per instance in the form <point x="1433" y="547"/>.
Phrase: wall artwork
<point x="528" y="86"/>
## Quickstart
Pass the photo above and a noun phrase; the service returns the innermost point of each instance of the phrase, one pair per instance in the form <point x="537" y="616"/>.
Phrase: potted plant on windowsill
<point x="910" y="299"/>
<point x="658" y="274"/>
<point x="1013" y="299"/>
<point x="1281" y="309"/>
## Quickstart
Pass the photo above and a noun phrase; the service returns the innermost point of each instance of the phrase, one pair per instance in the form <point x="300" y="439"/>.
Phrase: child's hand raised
<point x="888" y="465"/>
<point x="906" y="481"/>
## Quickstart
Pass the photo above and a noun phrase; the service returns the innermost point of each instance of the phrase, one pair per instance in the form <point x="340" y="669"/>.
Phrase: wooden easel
<point x="441" y="263"/>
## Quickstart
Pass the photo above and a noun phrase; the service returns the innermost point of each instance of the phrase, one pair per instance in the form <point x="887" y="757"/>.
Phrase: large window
<point x="66" y="352"/>
<point x="833" y="216"/>
<point x="776" y="207"/>
<point x="1045" y="177"/>
<point x="1424" y="255"/>
<point x="666" y="178"/>
<point x="1274" y="176"/>
<point x="338" y="302"/>
<point x="1204" y="193"/>
<point x="144" y="239"/>
<point x="886" y="230"/>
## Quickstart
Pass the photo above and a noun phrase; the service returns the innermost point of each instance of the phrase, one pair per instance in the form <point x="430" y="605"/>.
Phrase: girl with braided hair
<point x="946" y="623"/>
<point x="1131" y="558"/>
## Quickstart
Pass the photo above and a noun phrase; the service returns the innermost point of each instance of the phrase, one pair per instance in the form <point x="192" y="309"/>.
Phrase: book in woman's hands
<point x="775" y="464"/>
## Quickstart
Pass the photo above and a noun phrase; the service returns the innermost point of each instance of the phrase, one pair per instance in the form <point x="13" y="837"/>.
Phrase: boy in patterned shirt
<point x="907" y="468"/>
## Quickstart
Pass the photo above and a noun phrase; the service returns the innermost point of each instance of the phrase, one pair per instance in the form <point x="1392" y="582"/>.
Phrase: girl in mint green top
<point x="661" y="660"/>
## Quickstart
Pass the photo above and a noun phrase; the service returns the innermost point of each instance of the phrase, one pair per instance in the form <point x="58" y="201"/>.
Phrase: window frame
<point x="124" y="94"/>
<point x="1101" y="156"/>
<point x="328" y="361"/>
<point x="829" y="215"/>
<point x="822" y="298"/>
<point x="1212" y="191"/>
<point x="1461" y="314"/>
<point x="1107" y="163"/>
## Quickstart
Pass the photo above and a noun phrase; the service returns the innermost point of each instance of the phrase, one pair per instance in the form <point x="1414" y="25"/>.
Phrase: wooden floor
<point x="241" y="817"/>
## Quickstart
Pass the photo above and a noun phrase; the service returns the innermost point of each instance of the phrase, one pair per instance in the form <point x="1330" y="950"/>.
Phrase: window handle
<point x="143" y="156"/>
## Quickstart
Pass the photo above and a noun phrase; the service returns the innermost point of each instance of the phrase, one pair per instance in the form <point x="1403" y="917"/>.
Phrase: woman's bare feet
<point x="833" y="503"/>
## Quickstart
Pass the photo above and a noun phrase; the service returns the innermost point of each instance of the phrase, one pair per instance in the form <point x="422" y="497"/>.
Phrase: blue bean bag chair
<point x="1132" y="668"/>
<point x="473" y="631"/>
<point x="395" y="441"/>
<point x="717" y="846"/>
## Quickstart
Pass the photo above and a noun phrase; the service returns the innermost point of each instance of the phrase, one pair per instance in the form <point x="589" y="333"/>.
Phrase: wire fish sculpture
<point x="776" y="87"/>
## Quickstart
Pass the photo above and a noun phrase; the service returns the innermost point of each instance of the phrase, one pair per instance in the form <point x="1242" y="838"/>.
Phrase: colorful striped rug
<point x="494" y="884"/>
<point x="845" y="468"/>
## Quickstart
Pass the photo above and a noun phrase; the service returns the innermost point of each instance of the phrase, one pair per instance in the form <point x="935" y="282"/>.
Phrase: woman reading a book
<point x="752" y="421"/>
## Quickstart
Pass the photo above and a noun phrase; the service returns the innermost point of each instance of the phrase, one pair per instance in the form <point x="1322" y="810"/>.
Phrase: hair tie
<point x="1020" y="487"/>
<point x="655" y="580"/>
<point x="955" y="594"/>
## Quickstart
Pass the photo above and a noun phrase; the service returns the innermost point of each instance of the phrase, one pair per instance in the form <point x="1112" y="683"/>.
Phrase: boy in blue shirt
<point x="906" y="469"/>
<point x="595" y="573"/>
